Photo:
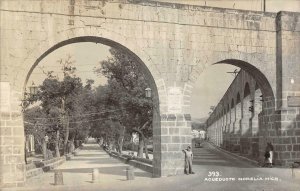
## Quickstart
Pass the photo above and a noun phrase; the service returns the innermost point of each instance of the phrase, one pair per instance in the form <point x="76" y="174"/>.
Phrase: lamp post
<point x="148" y="92"/>
<point x="46" y="139"/>
<point x="33" y="89"/>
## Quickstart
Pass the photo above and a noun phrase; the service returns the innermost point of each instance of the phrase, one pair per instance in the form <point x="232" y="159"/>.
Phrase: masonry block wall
<point x="174" y="43"/>
<point x="12" y="156"/>
<point x="175" y="136"/>
<point x="288" y="67"/>
<point x="270" y="121"/>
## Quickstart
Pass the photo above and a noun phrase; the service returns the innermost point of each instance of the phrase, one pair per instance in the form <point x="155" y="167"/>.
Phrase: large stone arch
<point x="142" y="67"/>
<point x="252" y="75"/>
<point x="95" y="39"/>
<point x="76" y="35"/>
<point x="18" y="88"/>
<point x="246" y="84"/>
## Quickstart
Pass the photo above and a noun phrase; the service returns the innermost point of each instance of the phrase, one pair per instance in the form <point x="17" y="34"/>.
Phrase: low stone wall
<point x="141" y="163"/>
<point x="143" y="160"/>
<point x="38" y="168"/>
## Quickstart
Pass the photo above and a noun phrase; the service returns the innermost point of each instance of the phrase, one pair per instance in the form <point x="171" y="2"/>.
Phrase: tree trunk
<point x="146" y="149"/>
<point x="65" y="121"/>
<point x="57" y="154"/>
<point x="39" y="145"/>
<point x="66" y="127"/>
<point x="141" y="146"/>
<point x="120" y="146"/>
<point x="72" y="146"/>
<point x="121" y="140"/>
<point x="141" y="139"/>
<point x="111" y="144"/>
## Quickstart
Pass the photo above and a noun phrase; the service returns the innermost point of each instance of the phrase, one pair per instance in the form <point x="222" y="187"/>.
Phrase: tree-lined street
<point x="66" y="109"/>
<point x="209" y="164"/>
<point x="78" y="171"/>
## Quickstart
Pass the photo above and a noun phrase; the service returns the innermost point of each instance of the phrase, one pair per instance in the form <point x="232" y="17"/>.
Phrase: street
<point x="235" y="174"/>
<point x="209" y="164"/>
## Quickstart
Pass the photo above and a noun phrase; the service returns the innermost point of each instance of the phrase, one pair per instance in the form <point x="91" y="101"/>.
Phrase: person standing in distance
<point x="269" y="155"/>
<point x="188" y="157"/>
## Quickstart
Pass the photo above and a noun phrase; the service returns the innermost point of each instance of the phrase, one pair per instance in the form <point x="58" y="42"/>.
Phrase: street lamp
<point x="46" y="140"/>
<point x="33" y="89"/>
<point x="148" y="92"/>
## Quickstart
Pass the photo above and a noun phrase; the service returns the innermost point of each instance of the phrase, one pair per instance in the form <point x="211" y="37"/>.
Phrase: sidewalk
<point x="78" y="171"/>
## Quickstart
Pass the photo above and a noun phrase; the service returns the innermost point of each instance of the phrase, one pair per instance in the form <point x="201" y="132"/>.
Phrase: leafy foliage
<point x="62" y="103"/>
<point x="113" y="111"/>
<point x="125" y="93"/>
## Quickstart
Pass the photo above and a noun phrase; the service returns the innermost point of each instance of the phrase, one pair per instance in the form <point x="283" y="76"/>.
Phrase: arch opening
<point x="142" y="67"/>
<point x="241" y="105"/>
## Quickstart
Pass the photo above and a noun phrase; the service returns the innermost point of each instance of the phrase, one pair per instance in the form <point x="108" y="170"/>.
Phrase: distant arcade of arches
<point x="239" y="121"/>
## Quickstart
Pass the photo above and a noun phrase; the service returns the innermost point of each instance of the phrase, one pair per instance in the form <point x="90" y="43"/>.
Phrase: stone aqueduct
<point x="174" y="43"/>
<point x="234" y="124"/>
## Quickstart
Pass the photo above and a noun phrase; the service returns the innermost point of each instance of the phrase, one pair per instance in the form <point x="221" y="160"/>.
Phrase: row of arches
<point x="236" y="117"/>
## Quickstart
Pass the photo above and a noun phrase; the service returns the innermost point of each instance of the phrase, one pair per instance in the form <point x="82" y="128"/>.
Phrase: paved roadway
<point x="208" y="162"/>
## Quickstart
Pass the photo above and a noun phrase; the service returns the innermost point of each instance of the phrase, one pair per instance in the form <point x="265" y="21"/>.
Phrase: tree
<point x="125" y="92"/>
<point x="34" y="120"/>
<point x="58" y="100"/>
<point x="83" y="113"/>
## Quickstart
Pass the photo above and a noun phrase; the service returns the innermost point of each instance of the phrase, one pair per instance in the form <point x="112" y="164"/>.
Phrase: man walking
<point x="188" y="160"/>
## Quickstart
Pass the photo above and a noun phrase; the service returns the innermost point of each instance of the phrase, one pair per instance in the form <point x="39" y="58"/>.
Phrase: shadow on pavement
<point x="210" y="157"/>
<point x="90" y="155"/>
<point x="91" y="147"/>
<point x="118" y="170"/>
<point x="214" y="163"/>
<point x="104" y="161"/>
<point x="96" y="161"/>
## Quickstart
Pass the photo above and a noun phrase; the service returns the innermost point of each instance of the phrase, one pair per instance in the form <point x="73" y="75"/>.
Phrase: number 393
<point x="214" y="173"/>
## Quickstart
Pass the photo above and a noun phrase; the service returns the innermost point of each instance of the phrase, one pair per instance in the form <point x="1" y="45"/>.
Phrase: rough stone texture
<point x="175" y="135"/>
<point x="264" y="123"/>
<point x="174" y="44"/>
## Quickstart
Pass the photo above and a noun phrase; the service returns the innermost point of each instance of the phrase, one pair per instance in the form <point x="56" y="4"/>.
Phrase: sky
<point x="208" y="89"/>
<point x="86" y="57"/>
